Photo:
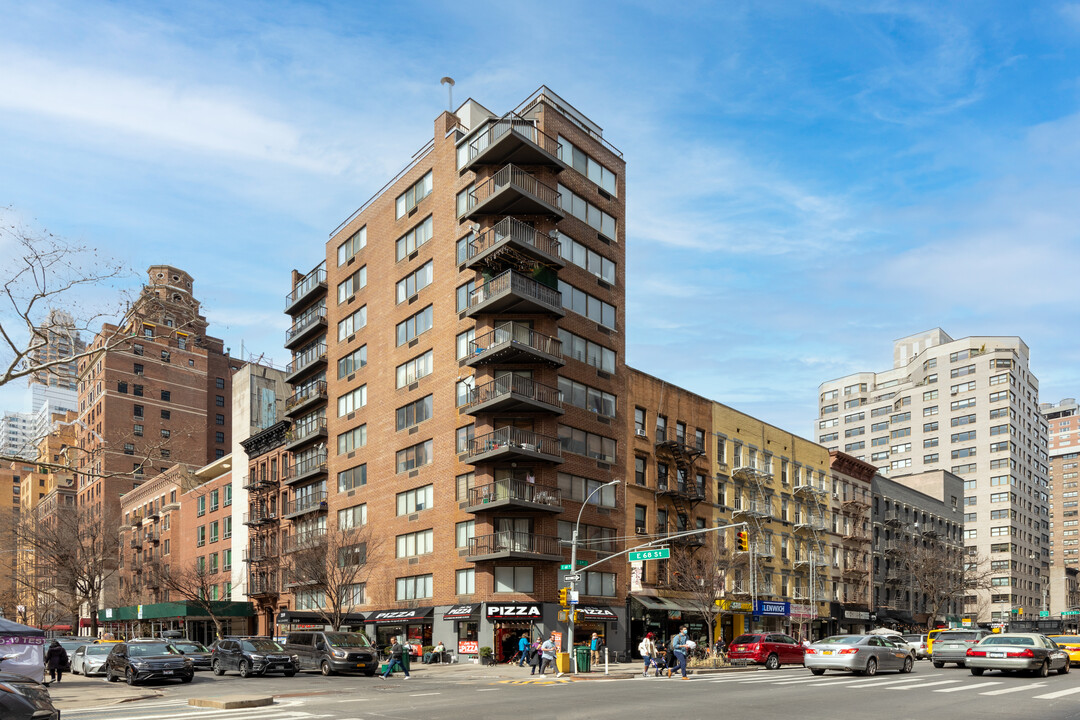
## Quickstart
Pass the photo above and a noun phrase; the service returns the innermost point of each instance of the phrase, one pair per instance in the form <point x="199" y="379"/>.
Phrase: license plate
<point x="826" y="652"/>
<point x="359" y="665"/>
<point x="169" y="672"/>
<point x="952" y="646"/>
<point x="995" y="654"/>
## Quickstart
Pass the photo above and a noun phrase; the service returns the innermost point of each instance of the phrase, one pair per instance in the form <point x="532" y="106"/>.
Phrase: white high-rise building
<point x="16" y="435"/>
<point x="970" y="406"/>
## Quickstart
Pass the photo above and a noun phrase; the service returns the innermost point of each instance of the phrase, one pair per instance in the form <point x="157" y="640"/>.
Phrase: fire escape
<point x="755" y="508"/>
<point x="856" y="544"/>
<point x="810" y="527"/>
<point x="262" y="551"/>
<point x="682" y="491"/>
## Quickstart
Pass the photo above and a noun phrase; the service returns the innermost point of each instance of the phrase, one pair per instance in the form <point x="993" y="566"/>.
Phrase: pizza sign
<point x="468" y="647"/>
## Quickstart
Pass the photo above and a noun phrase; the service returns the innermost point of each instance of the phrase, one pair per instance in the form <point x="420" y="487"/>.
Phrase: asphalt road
<point x="789" y="693"/>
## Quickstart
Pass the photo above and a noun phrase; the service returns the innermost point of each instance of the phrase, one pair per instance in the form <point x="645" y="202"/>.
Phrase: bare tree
<point x="942" y="575"/>
<point x="334" y="566"/>
<point x="195" y="583"/>
<point x="701" y="576"/>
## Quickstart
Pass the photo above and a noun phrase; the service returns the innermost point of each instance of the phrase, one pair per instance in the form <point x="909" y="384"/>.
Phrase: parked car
<point x="333" y="652"/>
<point x="919" y="645"/>
<point x="1070" y="644"/>
<point x="861" y="654"/>
<point x="769" y="649"/>
<point x="138" y="662"/>
<point x="251" y="656"/>
<point x="199" y="653"/>
<point x="90" y="659"/>
<point x="24" y="699"/>
<point x="71" y="643"/>
<point x="952" y="646"/>
<point x="1017" y="652"/>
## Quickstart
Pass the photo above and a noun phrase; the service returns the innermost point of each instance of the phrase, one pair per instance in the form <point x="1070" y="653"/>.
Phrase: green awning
<point x="161" y="611"/>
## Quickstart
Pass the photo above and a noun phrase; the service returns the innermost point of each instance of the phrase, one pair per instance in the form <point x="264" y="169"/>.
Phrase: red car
<point x="769" y="649"/>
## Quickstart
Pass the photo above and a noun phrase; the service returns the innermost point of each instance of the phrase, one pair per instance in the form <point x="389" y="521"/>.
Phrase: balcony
<point x="311" y="359"/>
<point x="762" y="548"/>
<point x="255" y="483"/>
<point x="892" y="547"/>
<point x="808" y="492"/>
<point x="308" y="432"/>
<point x="806" y="521"/>
<point x="856" y="535"/>
<point x="313" y="502"/>
<point x="893" y="519"/>
<point x="513" y="139"/>
<point x="308" y="287"/>
<point x="512" y="191"/>
<point x="855" y="569"/>
<point x="510" y="239"/>
<point x="512" y="292"/>
<point x="514" y="546"/>
<point x="307" y="468"/>
<point x="513" y="394"/>
<point x="262" y="586"/>
<point x="691" y="541"/>
<point x="510" y="443"/>
<point x="136" y="542"/>
<point x="753" y="509"/>
<point x="751" y="474"/>
<point x="260" y="552"/>
<point x="261" y="516"/>
<point x="305" y="398"/>
<point x="853" y="506"/>
<point x="506" y="495"/>
<point x="681" y="489"/>
<point x="514" y="343"/>
<point x="306" y="327"/>
<point x="303" y="541"/>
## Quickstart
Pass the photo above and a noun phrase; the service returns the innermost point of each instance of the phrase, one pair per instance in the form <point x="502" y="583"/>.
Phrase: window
<point x="137" y="390"/>
<point x="598" y="584"/>
<point x="137" y="369"/>
<point x="219" y="437"/>
<point x="415" y="543"/>
<point x="350" y="325"/>
<point x="466" y="581"/>
<point x="962" y="387"/>
<point x="352" y="478"/>
<point x="137" y="430"/>
<point x="1000" y="395"/>
<point x="879" y="427"/>
<point x="410" y="241"/>
<point x="166" y="356"/>
<point x="462" y="247"/>
<point x="165" y="433"/>
<point x="463" y="293"/>
<point x="129" y="449"/>
<point x="219" y="400"/>
<point x="465" y="201"/>
<point x="639" y="470"/>
<point x="962" y="404"/>
<point x="464" y="341"/>
<point x="228" y="496"/>
<point x="352" y="362"/>
<point x="136" y="349"/>
<point x="219" y="383"/>
<point x="414" y="413"/>
<point x="350" y="285"/>
<point x="200" y="536"/>
<point x="900" y="432"/>
<point x="588" y="305"/>
<point x="464" y="438"/>
<point x="139" y="411"/>
<point x="513" y="579"/>
<point x="414" y="588"/>
<point x="416" y="192"/>
<point x="852" y="447"/>
<point x="351" y="440"/>
<point x="121" y="387"/>
<point x="578" y="488"/>
<point x="356" y="242"/>
<point x="963" y="436"/>
<point x="588" y="213"/>
<point x="352" y="401"/>
<point x="930" y="442"/>
<point x="587" y="166"/>
<point x="583" y="257"/>
<point x="587" y="351"/>
<point x="464" y="483"/>
<point x="166" y="414"/>
<point x="589" y="398"/>
<point x="219" y="419"/>
<point x="463" y="532"/>
<point x="200" y="506"/>
<point x="929" y="411"/>
<point x="415" y="281"/>
<point x="415" y="456"/>
<point x="463" y="389"/>
<point x="214" y="531"/>
<point x="418" y="367"/>
<point x="930" y="459"/>
<point x="415" y="325"/>
<point x="930" y="426"/>
<point x="415" y="500"/>
<point x="963" y="453"/>
<point x="930" y="395"/>
<point x="352" y="517"/>
<point x="586" y="443"/>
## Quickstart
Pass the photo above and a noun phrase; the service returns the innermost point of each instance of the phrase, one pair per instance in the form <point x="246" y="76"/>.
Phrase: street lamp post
<point x="573" y="571"/>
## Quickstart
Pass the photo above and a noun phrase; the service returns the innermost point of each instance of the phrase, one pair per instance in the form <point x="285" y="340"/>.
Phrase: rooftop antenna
<point x="449" y="82"/>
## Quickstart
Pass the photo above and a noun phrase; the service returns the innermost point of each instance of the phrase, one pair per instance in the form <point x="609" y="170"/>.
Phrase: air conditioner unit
<point x="835" y="496"/>
<point x="639" y="531"/>
<point x="642" y="433"/>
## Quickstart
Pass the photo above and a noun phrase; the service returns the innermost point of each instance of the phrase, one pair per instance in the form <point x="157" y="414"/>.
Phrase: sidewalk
<point x="505" y="671"/>
<point x="77" y="692"/>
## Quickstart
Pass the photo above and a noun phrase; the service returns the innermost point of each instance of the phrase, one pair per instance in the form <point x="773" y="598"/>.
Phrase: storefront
<point x="508" y="622"/>
<point x="189" y="619"/>
<point x="458" y="628"/>
<point x="734" y="618"/>
<point x="770" y="616"/>
<point x="595" y="619"/>
<point x="289" y="620"/>
<point x="414" y="625"/>
<point x="901" y="620"/>
<point x="853" y="619"/>
<point x="663" y="617"/>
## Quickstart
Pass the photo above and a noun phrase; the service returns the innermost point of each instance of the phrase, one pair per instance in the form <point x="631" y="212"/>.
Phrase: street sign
<point x="1070" y="612"/>
<point x="582" y="563"/>
<point x="657" y="554"/>
<point x="1044" y="613"/>
<point x="572" y="577"/>
<point x="573" y="597"/>
<point x="564" y="566"/>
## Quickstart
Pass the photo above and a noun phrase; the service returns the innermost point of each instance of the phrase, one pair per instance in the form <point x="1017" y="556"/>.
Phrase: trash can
<point x="406" y="658"/>
<point x="584" y="660"/>
<point x="562" y="662"/>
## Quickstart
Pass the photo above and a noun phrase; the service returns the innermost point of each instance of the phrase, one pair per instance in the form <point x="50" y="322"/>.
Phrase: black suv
<point x="251" y="656"/>
<point x="141" y="661"/>
<point x="331" y="652"/>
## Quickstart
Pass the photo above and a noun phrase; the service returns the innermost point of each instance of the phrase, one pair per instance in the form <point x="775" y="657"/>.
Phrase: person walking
<point x="680" y="648"/>
<point x="535" y="657"/>
<point x="523" y="649"/>
<point x="56" y="659"/>
<point x="547" y="655"/>
<point x="397" y="654"/>
<point x="647" y="648"/>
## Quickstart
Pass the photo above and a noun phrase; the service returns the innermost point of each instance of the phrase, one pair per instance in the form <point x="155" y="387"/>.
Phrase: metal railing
<point x="517" y="385"/>
<point x="306" y="430"/>
<point x="259" y="516"/>
<point x="305" y="393"/>
<point x="685" y="488"/>
<point x="309" y="356"/>
<point x="512" y="437"/>
<point x="508" y="541"/>
<point x="513" y="123"/>
<point x="518" y="333"/>
<point x="513" y="176"/>
<point x="308" y="464"/>
<point x="511" y="281"/>
<point x="311" y="501"/>
<point x="309" y="318"/>
<point x="513" y="229"/>
<point x="512" y="489"/>
<point x="255" y="483"/>
<point x="263" y="586"/>
<point x="308" y="283"/>
<point x="303" y="541"/>
<point x="259" y="551"/>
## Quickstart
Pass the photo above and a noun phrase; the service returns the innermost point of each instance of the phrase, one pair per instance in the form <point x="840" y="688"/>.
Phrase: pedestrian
<point x="547" y="655"/>
<point x="647" y="648"/>
<point x="680" y="648"/>
<point x="534" y="654"/>
<point x="523" y="649"/>
<point x="56" y="659"/>
<point x="397" y="654"/>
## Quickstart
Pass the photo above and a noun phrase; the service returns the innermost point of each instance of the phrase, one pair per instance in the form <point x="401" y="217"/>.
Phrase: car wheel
<point x="939" y="665"/>
<point x="245" y="669"/>
<point x="1064" y="668"/>
<point x="871" y="667"/>
<point x="187" y="678"/>
<point x="1043" y="670"/>
<point x="216" y="667"/>
<point x="818" y="671"/>
<point x="109" y="677"/>
<point x="129" y="677"/>
<point x="772" y="662"/>
<point x="290" y="673"/>
<point x="909" y="664"/>
<point x="325" y="668"/>
<point x="977" y="671"/>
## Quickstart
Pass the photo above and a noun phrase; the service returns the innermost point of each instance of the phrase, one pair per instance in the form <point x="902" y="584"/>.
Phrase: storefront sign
<point x="856" y="615"/>
<point x="802" y="611"/>
<point x="399" y="616"/>
<point x="596" y="614"/>
<point x="767" y="607"/>
<point x="636" y="571"/>
<point x="461" y="612"/>
<point x="510" y="612"/>
<point x="468" y="647"/>
<point x="735" y="605"/>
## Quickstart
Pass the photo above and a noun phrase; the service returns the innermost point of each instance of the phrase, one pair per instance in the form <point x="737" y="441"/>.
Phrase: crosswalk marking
<point x="970" y="687"/>
<point x="1005" y="691"/>
<point x="875" y="683"/>
<point x="1059" y="693"/>
<point x="924" y="685"/>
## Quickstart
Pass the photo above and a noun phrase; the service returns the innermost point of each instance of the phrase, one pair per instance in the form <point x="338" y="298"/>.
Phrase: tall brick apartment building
<point x="157" y="399"/>
<point x="449" y="312"/>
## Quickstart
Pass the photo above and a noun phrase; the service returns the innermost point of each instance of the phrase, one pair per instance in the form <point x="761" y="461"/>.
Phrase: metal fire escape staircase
<point x="681" y="488"/>
<point x="756" y="511"/>
<point x="810" y="526"/>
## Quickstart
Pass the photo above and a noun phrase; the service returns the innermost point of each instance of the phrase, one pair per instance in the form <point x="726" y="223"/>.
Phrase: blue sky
<point x="807" y="181"/>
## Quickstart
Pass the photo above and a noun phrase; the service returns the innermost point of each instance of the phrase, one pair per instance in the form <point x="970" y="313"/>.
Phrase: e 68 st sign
<point x="657" y="554"/>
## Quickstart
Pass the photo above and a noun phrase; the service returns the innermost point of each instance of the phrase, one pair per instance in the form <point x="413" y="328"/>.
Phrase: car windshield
<point x="262" y="645"/>
<point x="340" y="639"/>
<point x="945" y="637"/>
<point x="841" y="640"/>
<point x="192" y="647"/>
<point x="98" y="649"/>
<point x="140" y="649"/>
<point x="1006" y="640"/>
<point x="746" y="639"/>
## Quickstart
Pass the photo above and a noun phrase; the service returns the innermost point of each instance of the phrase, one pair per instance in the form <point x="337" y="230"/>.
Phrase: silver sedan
<point x="860" y="654"/>
<point x="1017" y="652"/>
<point x="90" y="659"/>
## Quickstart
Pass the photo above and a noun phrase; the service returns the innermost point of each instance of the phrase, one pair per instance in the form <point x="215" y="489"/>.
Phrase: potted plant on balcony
<point x="486" y="656"/>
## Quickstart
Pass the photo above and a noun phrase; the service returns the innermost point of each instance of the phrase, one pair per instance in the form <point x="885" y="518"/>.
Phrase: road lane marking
<point x="1059" y="693"/>
<point x="924" y="685"/>
<point x="253" y="714"/>
<point x="486" y="689"/>
<point x="424" y="694"/>
<point x="354" y="700"/>
<point x="875" y="683"/>
<point x="1018" y="688"/>
<point x="970" y="687"/>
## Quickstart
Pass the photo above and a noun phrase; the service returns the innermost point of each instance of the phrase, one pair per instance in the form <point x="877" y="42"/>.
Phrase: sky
<point x="806" y="181"/>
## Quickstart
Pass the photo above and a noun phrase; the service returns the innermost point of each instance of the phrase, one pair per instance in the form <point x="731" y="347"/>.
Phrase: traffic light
<point x="563" y="599"/>
<point x="742" y="540"/>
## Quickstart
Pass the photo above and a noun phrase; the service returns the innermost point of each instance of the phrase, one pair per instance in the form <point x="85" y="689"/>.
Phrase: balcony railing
<point x="682" y="488"/>
<point x="514" y="341"/>
<point x="259" y="516"/>
<point x="503" y="494"/>
<point x="512" y="190"/>
<point x="753" y="508"/>
<point x="304" y="322"/>
<point x="260" y="551"/>
<point x="511" y="544"/>
<point x="263" y="586"/>
<point x="508" y="388"/>
<point x="512" y="124"/>
<point x="256" y="482"/>
<point x="309" y="282"/>
<point x="303" y="541"/>
<point x="312" y="391"/>
<point x="513" y="232"/>
<point x="307" y="466"/>
<point x="306" y="503"/>
<point x="314" y="354"/>
<point x="306" y="431"/>
<point x="530" y="295"/>
<point x="511" y="441"/>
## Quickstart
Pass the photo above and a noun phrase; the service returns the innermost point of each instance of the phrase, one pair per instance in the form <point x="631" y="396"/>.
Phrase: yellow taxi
<point x="930" y="639"/>
<point x="1070" y="644"/>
